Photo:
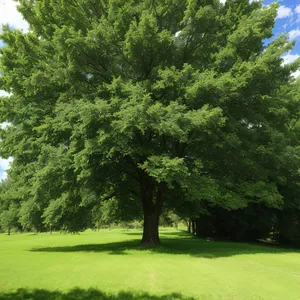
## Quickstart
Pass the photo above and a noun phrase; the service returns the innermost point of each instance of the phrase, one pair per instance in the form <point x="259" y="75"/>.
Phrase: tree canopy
<point x="151" y="103"/>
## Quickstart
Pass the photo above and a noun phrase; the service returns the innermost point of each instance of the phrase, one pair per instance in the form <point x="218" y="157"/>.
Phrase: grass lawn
<point x="110" y="265"/>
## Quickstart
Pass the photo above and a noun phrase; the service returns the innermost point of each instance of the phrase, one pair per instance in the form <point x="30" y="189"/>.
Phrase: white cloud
<point x="289" y="58"/>
<point x="177" y="33"/>
<point x="4" y="125"/>
<point x="297" y="9"/>
<point x="3" y="176"/>
<point x="3" y="93"/>
<point x="296" y="74"/>
<point x="284" y="12"/>
<point x="5" y="163"/>
<point x="295" y="33"/>
<point x="10" y="15"/>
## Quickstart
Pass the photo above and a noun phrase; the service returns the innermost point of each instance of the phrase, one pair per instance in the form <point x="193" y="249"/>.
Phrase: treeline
<point x="16" y="216"/>
<point x="24" y="217"/>
<point x="255" y="222"/>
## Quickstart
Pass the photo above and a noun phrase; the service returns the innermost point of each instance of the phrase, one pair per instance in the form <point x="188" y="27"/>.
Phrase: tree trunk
<point x="186" y="224"/>
<point x="150" y="229"/>
<point x="8" y="231"/>
<point x="194" y="227"/>
<point x="152" y="199"/>
<point x="189" y="226"/>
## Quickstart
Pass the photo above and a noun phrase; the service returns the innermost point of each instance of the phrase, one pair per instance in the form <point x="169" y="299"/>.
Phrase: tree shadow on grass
<point x="162" y="233"/>
<point x="176" y="233"/>
<point x="80" y="294"/>
<point x="114" y="248"/>
<point x="183" y="245"/>
<point x="132" y="233"/>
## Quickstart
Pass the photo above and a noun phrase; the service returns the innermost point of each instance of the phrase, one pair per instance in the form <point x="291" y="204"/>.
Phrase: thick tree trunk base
<point x="150" y="230"/>
<point x="150" y="243"/>
<point x="152" y="199"/>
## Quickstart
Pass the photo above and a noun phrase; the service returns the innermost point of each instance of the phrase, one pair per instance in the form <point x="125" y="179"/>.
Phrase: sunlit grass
<point x="109" y="264"/>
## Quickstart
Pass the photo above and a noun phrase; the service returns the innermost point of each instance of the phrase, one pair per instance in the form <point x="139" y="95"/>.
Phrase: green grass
<point x="111" y="265"/>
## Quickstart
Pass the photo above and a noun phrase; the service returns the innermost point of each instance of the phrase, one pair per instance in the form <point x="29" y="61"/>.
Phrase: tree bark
<point x="194" y="227"/>
<point x="150" y="229"/>
<point x="152" y="199"/>
<point x="186" y="223"/>
<point x="8" y="231"/>
<point x="189" y="226"/>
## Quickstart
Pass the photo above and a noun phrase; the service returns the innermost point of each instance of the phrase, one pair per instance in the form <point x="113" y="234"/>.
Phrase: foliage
<point x="9" y="209"/>
<point x="9" y="218"/>
<point x="248" y="224"/>
<point x="169" y="218"/>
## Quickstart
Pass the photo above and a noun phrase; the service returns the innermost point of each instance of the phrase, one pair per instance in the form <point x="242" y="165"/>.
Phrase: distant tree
<point x="9" y="218"/>
<point x="9" y="208"/>
<point x="109" y="212"/>
<point x="97" y="216"/>
<point x="154" y="104"/>
<point x="175" y="219"/>
<point x="169" y="218"/>
<point x="30" y="216"/>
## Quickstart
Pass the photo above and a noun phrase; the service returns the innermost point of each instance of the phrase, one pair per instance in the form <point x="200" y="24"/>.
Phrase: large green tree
<point x="9" y="208"/>
<point x="158" y="102"/>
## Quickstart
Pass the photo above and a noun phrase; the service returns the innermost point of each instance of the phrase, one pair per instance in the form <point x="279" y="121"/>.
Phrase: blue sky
<point x="288" y="20"/>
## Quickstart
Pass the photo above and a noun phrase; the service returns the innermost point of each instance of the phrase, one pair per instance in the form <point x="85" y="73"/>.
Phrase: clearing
<point x="109" y="264"/>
